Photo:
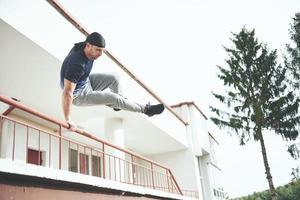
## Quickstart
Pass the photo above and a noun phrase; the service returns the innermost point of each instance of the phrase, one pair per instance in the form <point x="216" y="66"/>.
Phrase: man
<point x="82" y="88"/>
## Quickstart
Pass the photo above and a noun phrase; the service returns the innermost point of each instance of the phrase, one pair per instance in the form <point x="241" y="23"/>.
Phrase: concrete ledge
<point x="12" y="171"/>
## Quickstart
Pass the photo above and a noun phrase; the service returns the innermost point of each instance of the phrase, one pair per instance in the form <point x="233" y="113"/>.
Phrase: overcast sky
<point x="174" y="47"/>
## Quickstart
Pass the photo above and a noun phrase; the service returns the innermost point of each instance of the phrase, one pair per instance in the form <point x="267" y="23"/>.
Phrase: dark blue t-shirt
<point x="76" y="67"/>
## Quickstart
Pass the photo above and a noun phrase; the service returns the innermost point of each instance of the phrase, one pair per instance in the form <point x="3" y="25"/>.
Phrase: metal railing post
<point x="39" y="157"/>
<point x="152" y="172"/>
<point x="168" y="179"/>
<point x="49" y="151"/>
<point x="132" y="170"/>
<point x="27" y="133"/>
<point x="59" y="147"/>
<point x="103" y="160"/>
<point x="14" y="138"/>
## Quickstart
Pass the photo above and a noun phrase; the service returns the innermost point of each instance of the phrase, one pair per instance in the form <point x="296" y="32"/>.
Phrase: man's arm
<point x="67" y="98"/>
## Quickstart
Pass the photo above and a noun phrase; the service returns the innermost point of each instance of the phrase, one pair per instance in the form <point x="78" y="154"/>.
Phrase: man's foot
<point x="116" y="109"/>
<point x="151" y="110"/>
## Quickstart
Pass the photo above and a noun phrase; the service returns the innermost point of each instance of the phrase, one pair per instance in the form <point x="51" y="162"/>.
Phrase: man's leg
<point x="100" y="82"/>
<point x="89" y="97"/>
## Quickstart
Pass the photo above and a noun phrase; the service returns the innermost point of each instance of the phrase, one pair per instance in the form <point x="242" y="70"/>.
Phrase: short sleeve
<point x="73" y="73"/>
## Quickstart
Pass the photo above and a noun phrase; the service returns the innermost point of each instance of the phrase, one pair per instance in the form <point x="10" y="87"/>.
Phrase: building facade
<point x="111" y="154"/>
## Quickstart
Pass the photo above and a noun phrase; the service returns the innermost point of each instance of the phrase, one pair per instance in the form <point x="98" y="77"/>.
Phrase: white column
<point x="114" y="134"/>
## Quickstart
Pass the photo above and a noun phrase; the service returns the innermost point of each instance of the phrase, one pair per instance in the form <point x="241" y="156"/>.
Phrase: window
<point x="35" y="157"/>
<point x="96" y="166"/>
<point x="84" y="164"/>
<point x="74" y="160"/>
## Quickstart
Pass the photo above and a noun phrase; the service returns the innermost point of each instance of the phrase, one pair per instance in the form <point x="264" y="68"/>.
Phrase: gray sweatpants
<point x="93" y="94"/>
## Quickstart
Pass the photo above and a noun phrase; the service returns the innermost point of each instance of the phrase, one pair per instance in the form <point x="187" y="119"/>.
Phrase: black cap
<point x="96" y="39"/>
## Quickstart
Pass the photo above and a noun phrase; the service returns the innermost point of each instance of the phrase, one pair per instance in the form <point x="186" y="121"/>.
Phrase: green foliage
<point x="292" y="59"/>
<point x="292" y="63"/>
<point x="296" y="174"/>
<point x="290" y="191"/>
<point x="257" y="91"/>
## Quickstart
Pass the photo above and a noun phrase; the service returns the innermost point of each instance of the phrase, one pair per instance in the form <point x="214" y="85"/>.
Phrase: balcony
<point x="31" y="137"/>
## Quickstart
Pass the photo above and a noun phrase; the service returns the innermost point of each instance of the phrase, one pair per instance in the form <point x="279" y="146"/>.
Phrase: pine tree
<point x="292" y="62"/>
<point x="292" y="59"/>
<point x="257" y="95"/>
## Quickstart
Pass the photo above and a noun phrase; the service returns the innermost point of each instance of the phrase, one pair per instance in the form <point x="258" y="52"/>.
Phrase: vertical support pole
<point x="84" y="153"/>
<point x="59" y="147"/>
<point x="103" y="157"/>
<point x="69" y="156"/>
<point x="152" y="172"/>
<point x="27" y="133"/>
<point x="78" y="159"/>
<point x="132" y="168"/>
<point x="115" y="168"/>
<point x="14" y="138"/>
<point x="49" y="151"/>
<point x="128" y="171"/>
<point x="91" y="161"/>
<point x="39" y="157"/>
<point x="109" y="168"/>
<point x="120" y="170"/>
<point x="1" y="130"/>
<point x="167" y="173"/>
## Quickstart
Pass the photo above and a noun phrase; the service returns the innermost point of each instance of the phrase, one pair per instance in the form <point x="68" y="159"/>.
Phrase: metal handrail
<point x="60" y="123"/>
<point x="84" y="31"/>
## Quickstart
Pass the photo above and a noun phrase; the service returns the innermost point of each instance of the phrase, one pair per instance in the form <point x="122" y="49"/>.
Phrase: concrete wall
<point x="182" y="166"/>
<point x="199" y="131"/>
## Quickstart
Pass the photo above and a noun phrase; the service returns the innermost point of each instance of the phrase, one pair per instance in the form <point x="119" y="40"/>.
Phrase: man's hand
<point x="72" y="125"/>
<point x="67" y="98"/>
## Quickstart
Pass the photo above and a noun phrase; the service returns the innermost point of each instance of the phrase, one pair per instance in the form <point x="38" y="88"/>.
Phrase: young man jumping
<point x="83" y="89"/>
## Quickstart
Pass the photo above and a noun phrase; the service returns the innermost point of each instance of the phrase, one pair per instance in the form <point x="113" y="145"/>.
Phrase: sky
<point x="174" y="47"/>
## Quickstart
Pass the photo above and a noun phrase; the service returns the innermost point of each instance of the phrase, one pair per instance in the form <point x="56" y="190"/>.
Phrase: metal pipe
<point x="49" y="150"/>
<point x="103" y="155"/>
<point x="27" y="133"/>
<point x="39" y="157"/>
<point x="14" y="138"/>
<point x="59" y="147"/>
<point x="153" y="183"/>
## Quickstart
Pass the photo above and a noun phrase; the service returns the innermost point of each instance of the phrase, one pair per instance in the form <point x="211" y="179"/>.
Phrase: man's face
<point x="93" y="52"/>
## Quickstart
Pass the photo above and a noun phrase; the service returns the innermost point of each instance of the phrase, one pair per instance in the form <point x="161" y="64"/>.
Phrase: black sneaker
<point x="151" y="110"/>
<point x="116" y="109"/>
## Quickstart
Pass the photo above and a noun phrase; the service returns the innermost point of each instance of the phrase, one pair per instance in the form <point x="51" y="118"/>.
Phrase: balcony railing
<point x="95" y="157"/>
<point x="191" y="193"/>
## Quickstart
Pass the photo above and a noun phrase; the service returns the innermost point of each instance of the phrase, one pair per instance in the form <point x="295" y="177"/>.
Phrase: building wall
<point x="204" y="149"/>
<point x="182" y="166"/>
<point x="199" y="132"/>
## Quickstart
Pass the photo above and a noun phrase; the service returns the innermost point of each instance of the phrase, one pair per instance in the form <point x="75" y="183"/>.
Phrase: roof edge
<point x="189" y="103"/>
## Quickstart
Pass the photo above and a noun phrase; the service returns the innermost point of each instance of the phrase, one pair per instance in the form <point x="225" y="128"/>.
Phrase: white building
<point x="170" y="156"/>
